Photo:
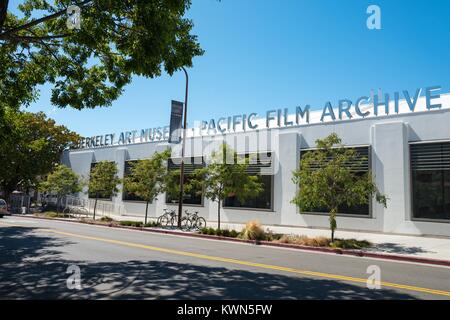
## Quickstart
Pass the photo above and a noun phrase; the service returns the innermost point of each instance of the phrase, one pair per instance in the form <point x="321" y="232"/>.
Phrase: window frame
<point x="411" y="182"/>
<point x="101" y="199"/>
<point x="202" y="201"/>
<point x="348" y="215"/>
<point x="272" y="189"/>
<point x="123" y="187"/>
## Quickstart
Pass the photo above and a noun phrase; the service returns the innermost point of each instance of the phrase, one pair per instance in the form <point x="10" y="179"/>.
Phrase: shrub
<point x="324" y="242"/>
<point x="234" y="234"/>
<point x="151" y="224"/>
<point x="106" y="219"/>
<point x="351" y="244"/>
<point x="305" y="241"/>
<point x="131" y="223"/>
<point x="224" y="233"/>
<point x="253" y="231"/>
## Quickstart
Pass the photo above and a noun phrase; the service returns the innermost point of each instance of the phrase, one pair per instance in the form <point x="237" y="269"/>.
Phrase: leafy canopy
<point x="103" y="179"/>
<point x="62" y="181"/>
<point x="31" y="148"/>
<point x="328" y="177"/>
<point x="147" y="178"/>
<point x="89" y="67"/>
<point x="221" y="179"/>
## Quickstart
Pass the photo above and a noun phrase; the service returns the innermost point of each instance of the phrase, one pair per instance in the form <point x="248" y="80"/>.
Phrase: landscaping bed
<point x="253" y="231"/>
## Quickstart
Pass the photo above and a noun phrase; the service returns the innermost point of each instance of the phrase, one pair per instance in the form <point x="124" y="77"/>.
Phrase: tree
<point x="62" y="182"/>
<point x="90" y="65"/>
<point x="32" y="148"/>
<point x="147" y="178"/>
<point x="103" y="181"/>
<point x="327" y="179"/>
<point x="220" y="179"/>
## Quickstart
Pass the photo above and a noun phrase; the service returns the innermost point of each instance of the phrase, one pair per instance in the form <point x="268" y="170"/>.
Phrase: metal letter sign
<point x="176" y="117"/>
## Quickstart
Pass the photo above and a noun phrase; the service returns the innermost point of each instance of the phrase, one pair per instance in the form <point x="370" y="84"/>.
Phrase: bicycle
<point x="168" y="217"/>
<point x="76" y="210"/>
<point x="193" y="221"/>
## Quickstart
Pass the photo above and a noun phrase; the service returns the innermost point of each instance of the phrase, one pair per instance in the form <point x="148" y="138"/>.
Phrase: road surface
<point x="128" y="264"/>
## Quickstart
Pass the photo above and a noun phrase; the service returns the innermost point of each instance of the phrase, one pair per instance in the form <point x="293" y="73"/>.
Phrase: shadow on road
<point x="32" y="267"/>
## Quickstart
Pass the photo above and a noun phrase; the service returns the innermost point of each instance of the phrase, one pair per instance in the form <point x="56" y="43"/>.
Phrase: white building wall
<point x="388" y="136"/>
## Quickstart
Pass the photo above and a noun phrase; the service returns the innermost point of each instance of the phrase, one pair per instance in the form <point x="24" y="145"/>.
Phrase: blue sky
<point x="267" y="54"/>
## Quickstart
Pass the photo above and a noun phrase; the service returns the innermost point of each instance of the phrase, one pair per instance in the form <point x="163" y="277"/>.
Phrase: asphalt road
<point x="122" y="264"/>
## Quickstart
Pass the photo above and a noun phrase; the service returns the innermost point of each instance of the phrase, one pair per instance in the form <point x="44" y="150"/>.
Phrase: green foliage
<point x="31" y="147"/>
<point x="128" y="223"/>
<point x="218" y="232"/>
<point x="351" y="244"/>
<point x="103" y="179"/>
<point x="220" y="178"/>
<point x="106" y="219"/>
<point x="303" y="240"/>
<point x="89" y="67"/>
<point x="62" y="181"/>
<point x="148" y="177"/>
<point x="326" y="179"/>
<point x="253" y="231"/>
<point x="151" y="224"/>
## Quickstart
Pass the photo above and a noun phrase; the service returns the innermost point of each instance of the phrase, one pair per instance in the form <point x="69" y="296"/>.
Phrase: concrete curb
<point x="358" y="253"/>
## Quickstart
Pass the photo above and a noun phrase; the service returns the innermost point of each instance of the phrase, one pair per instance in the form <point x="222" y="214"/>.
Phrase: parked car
<point x="3" y="208"/>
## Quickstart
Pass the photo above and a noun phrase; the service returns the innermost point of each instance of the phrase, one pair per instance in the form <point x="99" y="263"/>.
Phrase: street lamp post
<point x="180" y="199"/>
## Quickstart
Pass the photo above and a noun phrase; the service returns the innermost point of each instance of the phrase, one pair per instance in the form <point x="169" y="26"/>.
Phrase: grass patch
<point x="52" y="214"/>
<point x="106" y="219"/>
<point x="253" y="230"/>
<point x="222" y="232"/>
<point x="351" y="244"/>
<point x="303" y="240"/>
<point x="129" y="223"/>
<point x="151" y="224"/>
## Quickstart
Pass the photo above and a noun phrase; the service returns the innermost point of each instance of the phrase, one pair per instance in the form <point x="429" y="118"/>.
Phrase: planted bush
<point x="128" y="223"/>
<point x="106" y="219"/>
<point x="324" y="242"/>
<point x="219" y="232"/>
<point x="151" y="224"/>
<point x="253" y="231"/>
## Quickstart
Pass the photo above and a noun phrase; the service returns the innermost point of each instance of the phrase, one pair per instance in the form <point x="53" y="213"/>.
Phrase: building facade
<point x="407" y="149"/>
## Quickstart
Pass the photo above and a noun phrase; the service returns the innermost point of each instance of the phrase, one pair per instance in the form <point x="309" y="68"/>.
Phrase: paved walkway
<point x="417" y="246"/>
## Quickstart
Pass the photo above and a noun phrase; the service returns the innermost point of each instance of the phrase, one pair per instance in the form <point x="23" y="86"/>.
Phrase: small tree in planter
<point x="220" y="179"/>
<point x="62" y="182"/>
<point x="103" y="181"/>
<point x="148" y="178"/>
<point x="327" y="178"/>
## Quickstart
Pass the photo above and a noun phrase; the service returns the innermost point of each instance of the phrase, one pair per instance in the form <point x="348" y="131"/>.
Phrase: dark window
<point x="430" y="166"/>
<point x="193" y="196"/>
<point x="262" y="168"/>
<point x="101" y="195"/>
<point x="362" y="168"/>
<point x="129" y="195"/>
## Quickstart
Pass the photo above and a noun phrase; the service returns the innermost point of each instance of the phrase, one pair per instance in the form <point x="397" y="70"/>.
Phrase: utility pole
<point x="180" y="199"/>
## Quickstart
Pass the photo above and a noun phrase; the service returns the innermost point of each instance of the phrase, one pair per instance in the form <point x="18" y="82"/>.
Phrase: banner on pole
<point x="176" y="118"/>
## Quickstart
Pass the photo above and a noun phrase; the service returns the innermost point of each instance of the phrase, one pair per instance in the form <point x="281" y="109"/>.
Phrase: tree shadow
<point x="389" y="247"/>
<point x="32" y="267"/>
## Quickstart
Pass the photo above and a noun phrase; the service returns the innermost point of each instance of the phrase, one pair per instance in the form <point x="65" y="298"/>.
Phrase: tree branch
<point x="38" y="21"/>
<point x="3" y="12"/>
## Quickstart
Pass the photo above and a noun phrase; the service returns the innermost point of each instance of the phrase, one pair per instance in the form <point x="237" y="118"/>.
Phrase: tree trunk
<point x="3" y="12"/>
<point x="146" y="210"/>
<point x="95" y="204"/>
<point x="218" y="216"/>
<point x="333" y="224"/>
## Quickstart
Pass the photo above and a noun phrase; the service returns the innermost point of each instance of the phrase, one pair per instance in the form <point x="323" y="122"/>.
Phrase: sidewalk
<point x="404" y="245"/>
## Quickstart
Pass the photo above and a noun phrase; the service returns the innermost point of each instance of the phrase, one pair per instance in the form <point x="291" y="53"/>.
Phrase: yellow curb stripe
<point x="248" y="263"/>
